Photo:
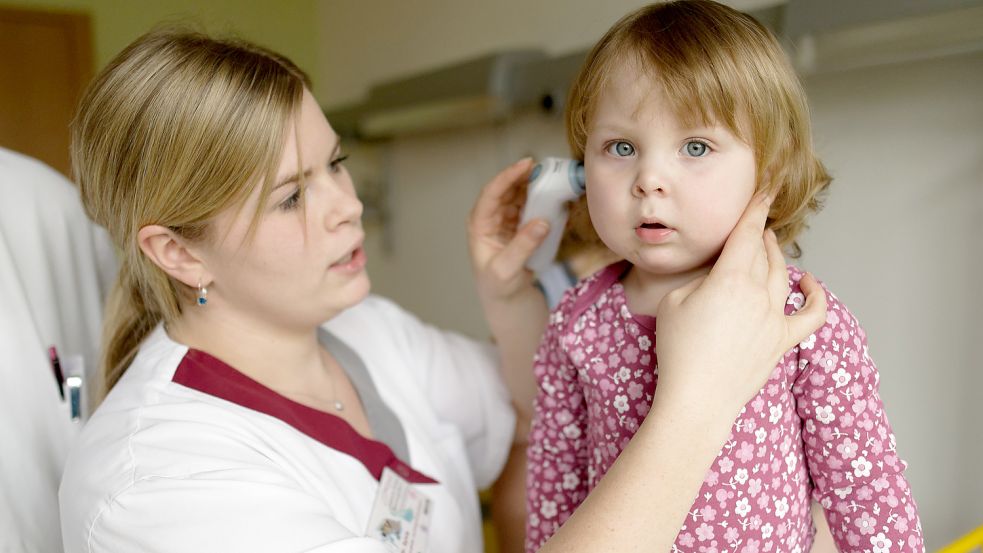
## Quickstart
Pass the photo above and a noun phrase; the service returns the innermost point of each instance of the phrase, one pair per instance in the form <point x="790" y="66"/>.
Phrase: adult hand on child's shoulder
<point x="720" y="336"/>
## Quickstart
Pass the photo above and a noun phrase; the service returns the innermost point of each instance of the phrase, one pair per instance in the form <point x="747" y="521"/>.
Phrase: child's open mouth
<point x="653" y="233"/>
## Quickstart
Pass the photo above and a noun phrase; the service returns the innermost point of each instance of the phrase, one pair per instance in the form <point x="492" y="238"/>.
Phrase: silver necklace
<point x="338" y="405"/>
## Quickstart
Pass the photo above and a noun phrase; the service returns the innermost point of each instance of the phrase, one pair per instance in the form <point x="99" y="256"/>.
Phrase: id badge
<point x="400" y="515"/>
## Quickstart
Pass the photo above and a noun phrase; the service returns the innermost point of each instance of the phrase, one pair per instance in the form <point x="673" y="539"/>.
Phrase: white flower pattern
<point x="819" y="420"/>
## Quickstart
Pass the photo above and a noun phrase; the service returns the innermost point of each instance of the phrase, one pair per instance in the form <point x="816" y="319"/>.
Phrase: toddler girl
<point x="681" y="113"/>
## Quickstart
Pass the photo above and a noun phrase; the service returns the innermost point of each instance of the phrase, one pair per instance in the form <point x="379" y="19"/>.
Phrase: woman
<point x="258" y="394"/>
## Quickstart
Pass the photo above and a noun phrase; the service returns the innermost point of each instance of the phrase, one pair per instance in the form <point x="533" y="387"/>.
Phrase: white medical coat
<point x="164" y="466"/>
<point x="55" y="267"/>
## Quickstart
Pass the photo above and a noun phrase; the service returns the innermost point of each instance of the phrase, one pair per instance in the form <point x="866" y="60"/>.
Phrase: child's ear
<point x="169" y="252"/>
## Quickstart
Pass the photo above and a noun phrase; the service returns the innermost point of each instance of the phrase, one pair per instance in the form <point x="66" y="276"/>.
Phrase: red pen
<point x="56" y="367"/>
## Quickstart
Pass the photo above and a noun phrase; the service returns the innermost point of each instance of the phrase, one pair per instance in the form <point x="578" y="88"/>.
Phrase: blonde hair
<point x="176" y="128"/>
<point x="715" y="65"/>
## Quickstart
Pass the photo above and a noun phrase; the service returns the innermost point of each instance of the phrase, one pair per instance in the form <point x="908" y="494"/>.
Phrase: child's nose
<point x="650" y="181"/>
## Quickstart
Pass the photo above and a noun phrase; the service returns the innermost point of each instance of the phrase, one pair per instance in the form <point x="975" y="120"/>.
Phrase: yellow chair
<point x="972" y="541"/>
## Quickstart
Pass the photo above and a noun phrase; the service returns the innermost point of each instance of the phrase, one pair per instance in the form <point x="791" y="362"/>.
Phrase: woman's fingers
<point x="499" y="250"/>
<point x="743" y="247"/>
<point x="812" y="315"/>
<point x="496" y="195"/>
<point x="510" y="262"/>
<point x="778" y="287"/>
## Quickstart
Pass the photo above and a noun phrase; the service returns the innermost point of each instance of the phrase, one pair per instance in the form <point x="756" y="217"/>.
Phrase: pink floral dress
<point x="816" y="430"/>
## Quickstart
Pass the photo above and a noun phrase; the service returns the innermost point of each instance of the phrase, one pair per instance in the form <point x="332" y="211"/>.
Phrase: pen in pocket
<point x="56" y="367"/>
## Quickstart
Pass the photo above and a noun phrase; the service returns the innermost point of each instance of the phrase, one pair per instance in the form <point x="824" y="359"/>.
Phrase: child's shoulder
<point x="585" y="293"/>
<point x="838" y="316"/>
<point x="797" y="296"/>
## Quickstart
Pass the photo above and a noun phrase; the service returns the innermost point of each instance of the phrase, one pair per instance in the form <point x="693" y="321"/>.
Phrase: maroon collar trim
<point x="207" y="374"/>
<point x="605" y="279"/>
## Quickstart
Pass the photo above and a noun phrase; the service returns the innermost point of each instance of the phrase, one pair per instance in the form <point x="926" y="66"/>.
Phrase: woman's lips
<point x="351" y="264"/>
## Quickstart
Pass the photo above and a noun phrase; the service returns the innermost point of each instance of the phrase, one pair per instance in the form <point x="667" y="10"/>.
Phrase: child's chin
<point x="668" y="266"/>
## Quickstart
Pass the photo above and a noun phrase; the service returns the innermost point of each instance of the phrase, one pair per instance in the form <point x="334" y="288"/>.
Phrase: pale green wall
<point x="288" y="27"/>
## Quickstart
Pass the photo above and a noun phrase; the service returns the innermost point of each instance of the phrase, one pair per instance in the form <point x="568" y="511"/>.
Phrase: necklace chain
<point x="337" y="403"/>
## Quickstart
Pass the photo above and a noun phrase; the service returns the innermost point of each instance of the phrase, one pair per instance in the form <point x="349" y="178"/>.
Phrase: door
<point x="46" y="62"/>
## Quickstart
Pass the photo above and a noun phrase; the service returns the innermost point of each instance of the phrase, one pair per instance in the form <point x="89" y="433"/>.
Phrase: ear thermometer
<point x="553" y="183"/>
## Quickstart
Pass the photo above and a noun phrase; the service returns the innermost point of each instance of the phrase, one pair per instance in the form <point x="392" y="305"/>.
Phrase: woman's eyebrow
<point x="291" y="179"/>
<point x="296" y="176"/>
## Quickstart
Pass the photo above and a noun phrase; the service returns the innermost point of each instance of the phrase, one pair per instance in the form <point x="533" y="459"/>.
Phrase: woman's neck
<point x="644" y="290"/>
<point x="277" y="356"/>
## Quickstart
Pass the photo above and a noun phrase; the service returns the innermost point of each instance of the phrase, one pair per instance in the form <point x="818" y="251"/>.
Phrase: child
<point x="681" y="113"/>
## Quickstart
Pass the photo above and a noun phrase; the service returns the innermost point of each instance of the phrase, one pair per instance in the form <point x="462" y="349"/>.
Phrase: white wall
<point x="898" y="240"/>
<point x="363" y="43"/>
<point x="434" y="179"/>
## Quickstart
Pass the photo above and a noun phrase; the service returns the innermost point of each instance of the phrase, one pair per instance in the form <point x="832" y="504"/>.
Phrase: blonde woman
<point x="261" y="400"/>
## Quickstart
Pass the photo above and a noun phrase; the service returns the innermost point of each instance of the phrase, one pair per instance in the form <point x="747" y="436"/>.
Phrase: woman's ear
<point x="169" y="252"/>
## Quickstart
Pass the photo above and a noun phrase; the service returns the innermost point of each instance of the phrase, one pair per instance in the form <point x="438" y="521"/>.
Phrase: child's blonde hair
<point x="715" y="65"/>
<point x="178" y="127"/>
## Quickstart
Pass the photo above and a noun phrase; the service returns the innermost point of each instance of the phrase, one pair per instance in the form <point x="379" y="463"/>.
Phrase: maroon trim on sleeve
<point x="207" y="374"/>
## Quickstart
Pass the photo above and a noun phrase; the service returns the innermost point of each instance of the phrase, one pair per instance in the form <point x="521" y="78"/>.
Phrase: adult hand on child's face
<point x="499" y="249"/>
<point x="722" y="335"/>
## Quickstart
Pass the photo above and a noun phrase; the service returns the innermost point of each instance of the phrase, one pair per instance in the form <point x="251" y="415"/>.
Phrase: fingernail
<point x="540" y="229"/>
<point x="523" y="160"/>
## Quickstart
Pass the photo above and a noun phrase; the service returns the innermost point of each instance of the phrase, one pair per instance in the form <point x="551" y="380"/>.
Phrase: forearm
<point x="517" y="327"/>
<point x="642" y="501"/>
<point x="508" y="502"/>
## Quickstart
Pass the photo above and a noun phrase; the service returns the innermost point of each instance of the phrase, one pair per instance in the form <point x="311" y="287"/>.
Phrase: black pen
<point x="56" y="367"/>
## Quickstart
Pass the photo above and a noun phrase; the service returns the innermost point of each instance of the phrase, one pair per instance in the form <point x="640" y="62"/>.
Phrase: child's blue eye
<point x="621" y="148"/>
<point x="695" y="148"/>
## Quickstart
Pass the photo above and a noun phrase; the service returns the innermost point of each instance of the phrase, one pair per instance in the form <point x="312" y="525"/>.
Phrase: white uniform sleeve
<point x="241" y="510"/>
<point x="462" y="382"/>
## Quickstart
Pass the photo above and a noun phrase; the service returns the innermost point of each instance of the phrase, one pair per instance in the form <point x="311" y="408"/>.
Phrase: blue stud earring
<point x="202" y="294"/>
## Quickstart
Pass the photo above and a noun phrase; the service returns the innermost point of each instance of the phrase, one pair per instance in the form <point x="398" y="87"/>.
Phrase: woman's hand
<point x="499" y="249"/>
<point x="515" y="310"/>
<point x="721" y="336"/>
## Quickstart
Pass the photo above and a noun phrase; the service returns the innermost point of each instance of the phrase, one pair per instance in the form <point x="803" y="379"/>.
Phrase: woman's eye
<point x="335" y="164"/>
<point x="621" y="148"/>
<point x="292" y="202"/>
<point x="695" y="148"/>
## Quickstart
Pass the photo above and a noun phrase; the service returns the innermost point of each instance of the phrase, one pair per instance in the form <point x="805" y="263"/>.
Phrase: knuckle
<point x="500" y="271"/>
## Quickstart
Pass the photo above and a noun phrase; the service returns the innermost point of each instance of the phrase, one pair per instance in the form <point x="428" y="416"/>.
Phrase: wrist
<point x="495" y="296"/>
<point x="692" y="407"/>
<point x="503" y="312"/>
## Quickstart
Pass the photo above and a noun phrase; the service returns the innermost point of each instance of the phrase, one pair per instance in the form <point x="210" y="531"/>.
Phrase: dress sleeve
<point x="247" y="510"/>
<point x="462" y="382"/>
<point x="557" y="456"/>
<point x="850" y="449"/>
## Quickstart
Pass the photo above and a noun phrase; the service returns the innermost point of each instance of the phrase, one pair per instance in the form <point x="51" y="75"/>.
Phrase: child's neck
<point x="644" y="290"/>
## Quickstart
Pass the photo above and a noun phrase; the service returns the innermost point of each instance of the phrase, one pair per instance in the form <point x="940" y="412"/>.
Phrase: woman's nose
<point x="345" y="207"/>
